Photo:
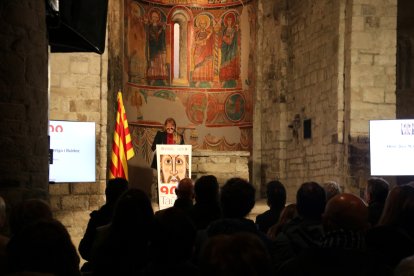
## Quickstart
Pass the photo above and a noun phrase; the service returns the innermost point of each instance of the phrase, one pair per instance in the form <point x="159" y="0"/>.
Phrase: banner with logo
<point x="174" y="164"/>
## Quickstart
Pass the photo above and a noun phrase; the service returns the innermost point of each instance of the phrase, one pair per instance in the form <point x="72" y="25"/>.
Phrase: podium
<point x="173" y="164"/>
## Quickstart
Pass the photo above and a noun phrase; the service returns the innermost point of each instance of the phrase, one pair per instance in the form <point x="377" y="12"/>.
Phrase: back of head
<point x="233" y="255"/>
<point x="276" y="195"/>
<point x="331" y="189"/>
<point x="43" y="246"/>
<point x="133" y="212"/>
<point x="237" y="198"/>
<point x="185" y="189"/>
<point x="377" y="190"/>
<point x="206" y="189"/>
<point x="28" y="212"/>
<point x="2" y="212"/>
<point x="173" y="235"/>
<point x="310" y="200"/>
<point x="346" y="211"/>
<point x="405" y="267"/>
<point x="115" y="188"/>
<point x="399" y="207"/>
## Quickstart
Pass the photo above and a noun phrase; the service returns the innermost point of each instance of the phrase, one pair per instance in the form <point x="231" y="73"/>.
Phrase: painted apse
<point x="191" y="60"/>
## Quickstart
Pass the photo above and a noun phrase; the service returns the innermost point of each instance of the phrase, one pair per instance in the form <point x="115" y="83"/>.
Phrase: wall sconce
<point x="295" y="125"/>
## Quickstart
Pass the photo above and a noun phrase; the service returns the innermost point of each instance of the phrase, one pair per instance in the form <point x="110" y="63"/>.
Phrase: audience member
<point x="28" y="212"/>
<point x="288" y="213"/>
<point x="342" y="248"/>
<point x="376" y="193"/>
<point x="393" y="237"/>
<point x="185" y="195"/>
<point x="43" y="246"/>
<point x="114" y="188"/>
<point x="121" y="248"/>
<point x="237" y="199"/>
<point x="3" y="238"/>
<point x="207" y="206"/>
<point x="234" y="255"/>
<point x="276" y="200"/>
<point x="405" y="267"/>
<point x="331" y="189"/>
<point x="305" y="230"/>
<point x="172" y="244"/>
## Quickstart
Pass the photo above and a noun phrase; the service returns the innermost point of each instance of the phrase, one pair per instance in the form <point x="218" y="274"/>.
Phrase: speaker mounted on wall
<point x="76" y="25"/>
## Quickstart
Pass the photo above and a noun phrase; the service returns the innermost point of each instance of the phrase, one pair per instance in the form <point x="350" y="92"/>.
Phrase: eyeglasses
<point x="169" y="128"/>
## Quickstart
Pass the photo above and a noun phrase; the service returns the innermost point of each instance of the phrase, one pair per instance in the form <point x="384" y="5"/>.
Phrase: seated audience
<point x="172" y="244"/>
<point x="331" y="189"/>
<point x="185" y="195"/>
<point x="207" y="206"/>
<point x="234" y="255"/>
<point x="393" y="237"/>
<point x="276" y="200"/>
<point x="114" y="189"/>
<point x="376" y="193"/>
<point x="405" y="267"/>
<point x="305" y="230"/>
<point x="43" y="246"/>
<point x="342" y="248"/>
<point x="28" y="212"/>
<point x="288" y="213"/>
<point x="121" y="248"/>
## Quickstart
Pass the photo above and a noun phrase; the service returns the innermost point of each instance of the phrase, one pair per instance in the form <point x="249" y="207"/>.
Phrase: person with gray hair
<point x="331" y="189"/>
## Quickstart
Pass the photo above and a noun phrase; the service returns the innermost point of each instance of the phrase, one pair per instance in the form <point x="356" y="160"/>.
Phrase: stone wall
<point x="78" y="85"/>
<point x="23" y="102"/>
<point x="222" y="164"/>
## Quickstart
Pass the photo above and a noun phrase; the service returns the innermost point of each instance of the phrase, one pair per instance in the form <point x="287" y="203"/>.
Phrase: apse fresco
<point x="187" y="62"/>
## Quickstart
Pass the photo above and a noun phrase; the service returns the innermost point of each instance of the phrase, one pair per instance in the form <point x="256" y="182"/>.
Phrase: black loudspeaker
<point x="76" y="25"/>
<point x="307" y="128"/>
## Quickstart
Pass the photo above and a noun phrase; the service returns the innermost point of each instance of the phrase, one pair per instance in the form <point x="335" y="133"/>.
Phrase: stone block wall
<point x="24" y="101"/>
<point x="78" y="85"/>
<point x="222" y="164"/>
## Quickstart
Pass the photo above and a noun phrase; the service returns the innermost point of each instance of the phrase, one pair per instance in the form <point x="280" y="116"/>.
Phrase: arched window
<point x="179" y="20"/>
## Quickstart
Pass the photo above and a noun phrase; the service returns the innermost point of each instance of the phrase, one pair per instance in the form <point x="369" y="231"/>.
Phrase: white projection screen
<point x="391" y="147"/>
<point x="73" y="146"/>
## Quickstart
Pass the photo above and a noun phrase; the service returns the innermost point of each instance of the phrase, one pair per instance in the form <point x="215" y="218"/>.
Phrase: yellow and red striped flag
<point x="122" y="149"/>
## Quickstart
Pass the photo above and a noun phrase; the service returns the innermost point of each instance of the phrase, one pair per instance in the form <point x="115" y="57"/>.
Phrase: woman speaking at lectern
<point x="169" y="136"/>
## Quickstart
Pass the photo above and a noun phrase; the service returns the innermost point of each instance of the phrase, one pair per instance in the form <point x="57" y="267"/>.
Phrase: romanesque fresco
<point x="213" y="100"/>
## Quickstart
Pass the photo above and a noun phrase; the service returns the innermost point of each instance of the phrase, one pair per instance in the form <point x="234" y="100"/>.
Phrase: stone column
<point x="24" y="100"/>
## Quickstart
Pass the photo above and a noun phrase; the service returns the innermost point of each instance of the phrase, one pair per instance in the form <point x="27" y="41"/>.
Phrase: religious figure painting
<point x="136" y="38"/>
<point x="230" y="57"/>
<point x="157" y="73"/>
<point x="202" y="71"/>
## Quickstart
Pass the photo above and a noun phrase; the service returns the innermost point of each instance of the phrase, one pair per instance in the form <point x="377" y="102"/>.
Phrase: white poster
<point x="174" y="164"/>
<point x="73" y="146"/>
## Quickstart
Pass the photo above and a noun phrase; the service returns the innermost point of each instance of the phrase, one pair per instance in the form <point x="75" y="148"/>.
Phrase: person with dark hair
<point x="43" y="246"/>
<point x="234" y="255"/>
<point x="342" y="250"/>
<point x="28" y="212"/>
<point x="207" y="206"/>
<point x="121" y="248"/>
<point x="185" y="195"/>
<point x="305" y="230"/>
<point x="376" y="193"/>
<point x="393" y="237"/>
<point x="276" y="200"/>
<point x="172" y="244"/>
<point x="237" y="199"/>
<point x="114" y="189"/>
<point x="287" y="214"/>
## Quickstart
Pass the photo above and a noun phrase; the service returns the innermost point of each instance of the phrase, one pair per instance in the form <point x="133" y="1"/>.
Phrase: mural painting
<point x="214" y="107"/>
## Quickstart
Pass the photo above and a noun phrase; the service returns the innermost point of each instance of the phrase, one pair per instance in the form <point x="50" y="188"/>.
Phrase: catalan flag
<point x="122" y="149"/>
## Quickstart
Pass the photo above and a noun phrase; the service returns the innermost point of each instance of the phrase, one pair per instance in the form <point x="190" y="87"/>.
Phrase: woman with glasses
<point x="167" y="137"/>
